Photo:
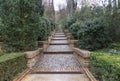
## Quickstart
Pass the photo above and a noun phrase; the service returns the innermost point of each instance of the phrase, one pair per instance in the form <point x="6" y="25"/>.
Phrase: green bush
<point x="92" y="35"/>
<point x="115" y="45"/>
<point x="1" y="32"/>
<point x="2" y="53"/>
<point x="74" y="28"/>
<point x="20" y="20"/>
<point x="11" y="65"/>
<point x="105" y="67"/>
<point x="45" y="28"/>
<point x="69" y="22"/>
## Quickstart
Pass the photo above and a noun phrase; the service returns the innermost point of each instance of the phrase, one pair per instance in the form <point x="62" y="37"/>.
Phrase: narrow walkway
<point x="57" y="63"/>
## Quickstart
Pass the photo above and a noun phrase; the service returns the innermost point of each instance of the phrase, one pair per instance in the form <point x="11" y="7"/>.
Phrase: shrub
<point x="11" y="65"/>
<point x="45" y="28"/>
<point x="105" y="67"/>
<point x="74" y="28"/>
<point x="20" y="19"/>
<point x="1" y="32"/>
<point x="115" y="45"/>
<point x="2" y="53"/>
<point x="92" y="35"/>
<point x="69" y="22"/>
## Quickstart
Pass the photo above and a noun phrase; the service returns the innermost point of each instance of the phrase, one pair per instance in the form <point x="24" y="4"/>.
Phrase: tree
<point x="49" y="9"/>
<point x="71" y="6"/>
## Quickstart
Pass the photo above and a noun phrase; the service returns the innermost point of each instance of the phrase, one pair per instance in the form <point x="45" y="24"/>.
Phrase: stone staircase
<point x="58" y="63"/>
<point x="58" y="58"/>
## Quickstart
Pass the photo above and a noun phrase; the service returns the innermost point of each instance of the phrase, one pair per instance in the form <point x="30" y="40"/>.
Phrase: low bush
<point x="11" y="65"/>
<point x="115" y="45"/>
<point x="69" y="22"/>
<point x="92" y="35"/>
<point x="1" y="32"/>
<point x="45" y="28"/>
<point x="105" y="67"/>
<point x="74" y="28"/>
<point x="1" y="53"/>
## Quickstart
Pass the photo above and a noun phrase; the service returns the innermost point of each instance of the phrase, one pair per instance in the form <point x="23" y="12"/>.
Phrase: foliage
<point x="74" y="28"/>
<point x="115" y="45"/>
<point x="112" y="19"/>
<point x="45" y="28"/>
<point x="113" y="48"/>
<point x="102" y="18"/>
<point x="69" y="22"/>
<point x="1" y="53"/>
<point x="92" y="35"/>
<point x="11" y="65"/>
<point x="105" y="67"/>
<point x="20" y="19"/>
<point x="1" y="32"/>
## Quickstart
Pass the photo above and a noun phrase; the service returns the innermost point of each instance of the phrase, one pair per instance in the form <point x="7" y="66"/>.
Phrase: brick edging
<point x="22" y="75"/>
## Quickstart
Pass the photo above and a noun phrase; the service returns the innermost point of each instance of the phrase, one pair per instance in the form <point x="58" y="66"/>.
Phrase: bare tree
<point x="49" y="9"/>
<point x="71" y="6"/>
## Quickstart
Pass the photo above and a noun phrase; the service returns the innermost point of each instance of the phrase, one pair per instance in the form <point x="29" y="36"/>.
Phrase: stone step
<point x="57" y="63"/>
<point x="59" y="44"/>
<point x="69" y="70"/>
<point x="59" y="52"/>
<point x="59" y="41"/>
<point x="59" y="48"/>
<point x="59" y="35"/>
<point x="58" y="38"/>
<point x="56" y="77"/>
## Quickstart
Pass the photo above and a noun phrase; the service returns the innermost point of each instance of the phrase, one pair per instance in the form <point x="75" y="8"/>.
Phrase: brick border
<point x="22" y="75"/>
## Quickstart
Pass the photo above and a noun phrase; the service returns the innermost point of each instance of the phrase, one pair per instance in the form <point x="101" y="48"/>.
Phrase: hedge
<point x="20" y="19"/>
<point x="92" y="35"/>
<point x="11" y="65"/>
<point x="45" y="28"/>
<point x="105" y="67"/>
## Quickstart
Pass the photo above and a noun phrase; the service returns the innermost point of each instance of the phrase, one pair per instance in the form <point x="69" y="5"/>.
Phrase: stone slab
<point x="56" y="77"/>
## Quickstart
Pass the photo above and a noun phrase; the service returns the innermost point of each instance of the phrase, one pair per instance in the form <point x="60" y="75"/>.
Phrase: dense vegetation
<point x="94" y="27"/>
<point x="22" y="24"/>
<point x="97" y="29"/>
<point x="105" y="67"/>
<point x="11" y="65"/>
<point x="45" y="28"/>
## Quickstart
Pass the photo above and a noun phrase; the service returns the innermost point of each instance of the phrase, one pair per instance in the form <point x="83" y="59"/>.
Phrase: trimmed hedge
<point x="45" y="28"/>
<point x="74" y="28"/>
<point x="11" y="65"/>
<point x="20" y="19"/>
<point x="92" y="35"/>
<point x="105" y="67"/>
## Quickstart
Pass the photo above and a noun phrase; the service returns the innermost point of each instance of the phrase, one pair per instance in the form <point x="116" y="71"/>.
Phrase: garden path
<point x="57" y="63"/>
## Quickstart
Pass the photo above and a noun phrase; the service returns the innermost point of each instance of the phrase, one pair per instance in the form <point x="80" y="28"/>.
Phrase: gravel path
<point x="61" y="60"/>
<point x="58" y="48"/>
